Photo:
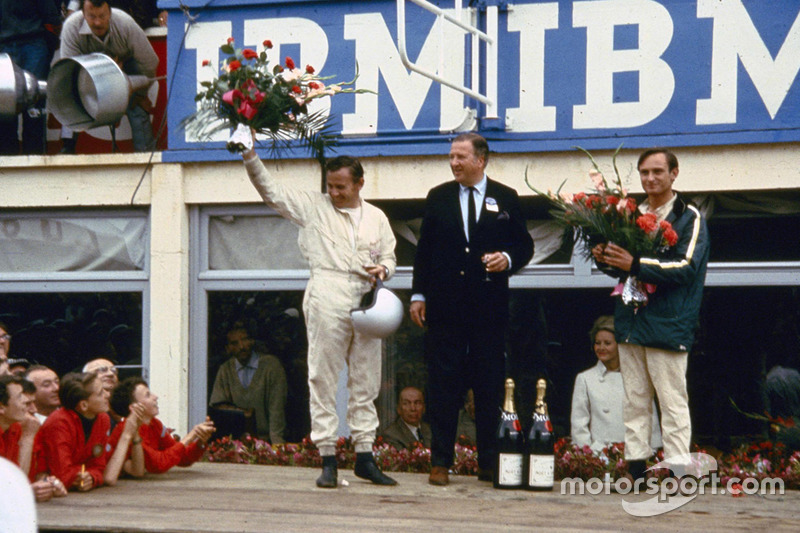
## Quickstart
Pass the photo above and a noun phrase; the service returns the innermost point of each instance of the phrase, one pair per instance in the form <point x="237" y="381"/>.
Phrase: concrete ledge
<point x="226" y="498"/>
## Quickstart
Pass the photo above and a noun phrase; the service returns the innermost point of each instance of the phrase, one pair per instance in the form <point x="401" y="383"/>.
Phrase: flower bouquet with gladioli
<point x="273" y="101"/>
<point x="607" y="214"/>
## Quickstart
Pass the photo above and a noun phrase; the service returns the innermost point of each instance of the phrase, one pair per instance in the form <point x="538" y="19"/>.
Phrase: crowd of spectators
<point x="87" y="428"/>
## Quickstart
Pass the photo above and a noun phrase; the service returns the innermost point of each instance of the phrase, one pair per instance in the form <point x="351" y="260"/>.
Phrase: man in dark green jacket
<point x="655" y="339"/>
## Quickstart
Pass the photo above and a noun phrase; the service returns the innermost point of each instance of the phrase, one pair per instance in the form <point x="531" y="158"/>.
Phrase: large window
<point x="73" y="286"/>
<point x="248" y="265"/>
<point x="65" y="330"/>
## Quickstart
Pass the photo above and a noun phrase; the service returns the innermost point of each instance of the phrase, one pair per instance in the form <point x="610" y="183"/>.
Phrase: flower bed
<point x="760" y="460"/>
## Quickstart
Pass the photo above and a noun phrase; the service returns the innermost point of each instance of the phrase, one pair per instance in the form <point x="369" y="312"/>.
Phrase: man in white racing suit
<point x="348" y="243"/>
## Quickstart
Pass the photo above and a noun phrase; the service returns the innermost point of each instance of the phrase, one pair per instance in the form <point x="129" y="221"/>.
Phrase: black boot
<point x="328" y="479"/>
<point x="68" y="144"/>
<point x="367" y="469"/>
<point x="637" y="468"/>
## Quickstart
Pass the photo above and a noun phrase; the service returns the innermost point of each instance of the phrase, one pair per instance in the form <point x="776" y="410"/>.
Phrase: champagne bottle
<point x="540" y="460"/>
<point x="508" y="471"/>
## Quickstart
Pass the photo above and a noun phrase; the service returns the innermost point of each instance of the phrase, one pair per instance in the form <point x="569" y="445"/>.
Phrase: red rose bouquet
<point x="607" y="214"/>
<point x="273" y="101"/>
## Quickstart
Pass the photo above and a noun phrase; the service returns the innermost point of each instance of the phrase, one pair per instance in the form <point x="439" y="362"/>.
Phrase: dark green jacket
<point x="669" y="319"/>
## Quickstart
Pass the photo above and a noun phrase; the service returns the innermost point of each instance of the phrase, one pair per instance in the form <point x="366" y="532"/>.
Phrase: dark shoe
<point x="637" y="469"/>
<point x="68" y="145"/>
<point x="438" y="476"/>
<point x="485" y="474"/>
<point x="366" y="468"/>
<point x="328" y="479"/>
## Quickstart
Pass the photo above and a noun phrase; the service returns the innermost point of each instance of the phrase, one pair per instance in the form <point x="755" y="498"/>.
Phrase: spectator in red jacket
<point x="74" y="439"/>
<point x="18" y="428"/>
<point x="161" y="450"/>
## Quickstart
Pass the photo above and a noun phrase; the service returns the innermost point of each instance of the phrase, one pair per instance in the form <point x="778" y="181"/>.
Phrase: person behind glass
<point x="4" y="370"/>
<point x="473" y="237"/>
<point x="466" y="430"/>
<point x="5" y="346"/>
<point x="18" y="366"/>
<point x="408" y="428"/>
<point x="655" y="339"/>
<point x="46" y="397"/>
<point x="100" y="28"/>
<point x="109" y="377"/>
<point x="348" y="243"/>
<point x="160" y="450"/>
<point x="252" y="380"/>
<point x="781" y="396"/>
<point x="74" y="439"/>
<point x="596" y="418"/>
<point x="25" y="31"/>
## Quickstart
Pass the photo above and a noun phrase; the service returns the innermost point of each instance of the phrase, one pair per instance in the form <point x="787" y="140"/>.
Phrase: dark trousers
<point x="463" y="356"/>
<point x="34" y="56"/>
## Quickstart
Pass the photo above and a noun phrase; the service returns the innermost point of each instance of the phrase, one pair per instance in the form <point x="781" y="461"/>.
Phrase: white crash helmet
<point x="380" y="313"/>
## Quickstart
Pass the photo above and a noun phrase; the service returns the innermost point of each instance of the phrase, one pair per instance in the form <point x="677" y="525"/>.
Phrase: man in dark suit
<point x="473" y="237"/>
<point x="408" y="428"/>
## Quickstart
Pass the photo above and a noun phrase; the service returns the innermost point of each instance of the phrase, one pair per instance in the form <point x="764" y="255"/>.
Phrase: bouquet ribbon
<point x="633" y="291"/>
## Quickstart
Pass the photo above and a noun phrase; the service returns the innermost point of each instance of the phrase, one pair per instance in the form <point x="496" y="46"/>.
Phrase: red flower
<point x="230" y="40"/>
<point x="206" y="62"/>
<point x="578" y="197"/>
<point x="234" y="65"/>
<point x="249" y="54"/>
<point x="232" y="95"/>
<point x="313" y="85"/>
<point x="593" y="200"/>
<point x="296" y="89"/>
<point x="671" y="236"/>
<point x="631" y="205"/>
<point x="612" y="200"/>
<point x="267" y="44"/>
<point x="289" y="63"/>
<point x="647" y="222"/>
<point x="309" y="69"/>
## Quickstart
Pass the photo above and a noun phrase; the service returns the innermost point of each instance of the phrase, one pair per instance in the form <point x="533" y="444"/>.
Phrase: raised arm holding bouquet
<point x="347" y="241"/>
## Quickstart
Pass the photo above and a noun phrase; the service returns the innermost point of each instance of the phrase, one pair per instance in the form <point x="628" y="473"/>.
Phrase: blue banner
<point x="594" y="73"/>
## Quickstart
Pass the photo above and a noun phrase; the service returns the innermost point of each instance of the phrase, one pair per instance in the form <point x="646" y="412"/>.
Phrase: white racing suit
<point x="338" y="281"/>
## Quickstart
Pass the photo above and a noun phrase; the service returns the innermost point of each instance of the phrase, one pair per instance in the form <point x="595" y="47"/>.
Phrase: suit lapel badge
<point x="491" y="204"/>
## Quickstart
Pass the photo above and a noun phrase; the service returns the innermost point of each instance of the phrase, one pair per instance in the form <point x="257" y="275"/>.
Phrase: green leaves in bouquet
<point x="273" y="101"/>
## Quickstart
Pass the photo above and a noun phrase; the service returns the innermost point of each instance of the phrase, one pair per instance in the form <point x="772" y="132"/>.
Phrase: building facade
<point x="157" y="256"/>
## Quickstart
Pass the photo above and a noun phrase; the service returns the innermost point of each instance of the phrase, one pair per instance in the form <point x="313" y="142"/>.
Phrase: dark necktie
<point x="472" y="220"/>
<point x="419" y="435"/>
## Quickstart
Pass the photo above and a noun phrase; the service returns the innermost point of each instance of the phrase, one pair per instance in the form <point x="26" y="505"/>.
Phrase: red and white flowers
<point x="273" y="101"/>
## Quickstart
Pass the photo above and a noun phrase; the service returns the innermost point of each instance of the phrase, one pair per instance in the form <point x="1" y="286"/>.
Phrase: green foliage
<point x="273" y="101"/>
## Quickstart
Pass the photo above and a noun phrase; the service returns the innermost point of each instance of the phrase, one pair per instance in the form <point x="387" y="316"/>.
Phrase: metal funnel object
<point x="90" y="90"/>
<point x="19" y="89"/>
